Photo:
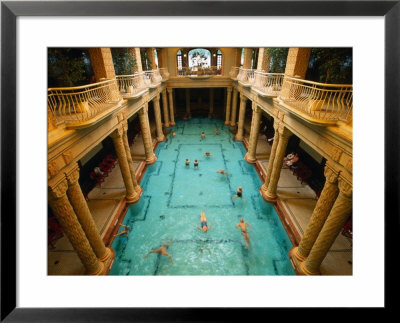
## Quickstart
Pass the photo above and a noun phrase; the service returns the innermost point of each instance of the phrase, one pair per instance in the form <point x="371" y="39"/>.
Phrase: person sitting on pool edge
<point x="187" y="162"/>
<point x="207" y="154"/>
<point x="203" y="222"/>
<point x="162" y="250"/>
<point x="203" y="135"/>
<point x="239" y="193"/>
<point x="196" y="163"/>
<point x="124" y="232"/>
<point x="244" y="232"/>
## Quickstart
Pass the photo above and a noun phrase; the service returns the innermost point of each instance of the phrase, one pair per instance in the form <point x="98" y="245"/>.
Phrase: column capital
<point x="283" y="131"/>
<point x="255" y="107"/>
<point x="118" y="132"/>
<point x="331" y="175"/>
<point x="72" y="175"/>
<point x="58" y="190"/>
<point x="276" y="124"/>
<point x="124" y="125"/>
<point x="144" y="109"/>
<point x="169" y="89"/>
<point x="243" y="97"/>
<point x="229" y="89"/>
<point x="345" y="187"/>
<point x="156" y="98"/>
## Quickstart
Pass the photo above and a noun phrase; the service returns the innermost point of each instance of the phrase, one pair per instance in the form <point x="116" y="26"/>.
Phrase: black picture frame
<point x="10" y="10"/>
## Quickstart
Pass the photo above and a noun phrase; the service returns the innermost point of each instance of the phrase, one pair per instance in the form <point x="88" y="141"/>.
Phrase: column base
<point x="294" y="253"/>
<point x="136" y="197"/>
<point x="233" y="124"/>
<point x="249" y="159"/>
<point x="161" y="139"/>
<point x="99" y="270"/>
<point x="108" y="263"/>
<point x="227" y="123"/>
<point x="167" y="125"/>
<point x="106" y="256"/>
<point x="266" y="196"/>
<point x="304" y="271"/>
<point x="152" y="160"/>
<point x="172" y="124"/>
<point x="238" y="138"/>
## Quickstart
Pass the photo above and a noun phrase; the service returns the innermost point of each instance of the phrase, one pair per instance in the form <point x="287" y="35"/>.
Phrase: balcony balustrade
<point x="246" y="76"/>
<point x="234" y="72"/>
<point x="164" y="74"/>
<point x="267" y="84"/>
<point x="132" y="86"/>
<point x="200" y="72"/>
<point x="83" y="105"/>
<point x="154" y="78"/>
<point x="318" y="102"/>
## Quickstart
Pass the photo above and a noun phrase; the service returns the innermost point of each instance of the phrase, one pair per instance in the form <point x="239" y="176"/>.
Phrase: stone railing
<point x="83" y="104"/>
<point x="326" y="103"/>
<point x="267" y="84"/>
<point x="154" y="77"/>
<point x="197" y="71"/>
<point x="234" y="72"/>
<point x="245" y="76"/>
<point x="164" y="73"/>
<point x="132" y="86"/>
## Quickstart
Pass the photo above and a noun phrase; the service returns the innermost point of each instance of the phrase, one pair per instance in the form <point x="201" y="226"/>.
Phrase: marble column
<point x="165" y="108"/>
<point x="321" y="211"/>
<point x="157" y="117"/>
<point x="146" y="135"/>
<point x="117" y="137"/>
<point x="333" y="225"/>
<point x="284" y="135"/>
<point x="242" y="111"/>
<point x="228" y="105"/>
<point x="211" y="111"/>
<point x="171" y="106"/>
<point x="250" y="156"/>
<point x="264" y="187"/>
<point x="84" y="216"/>
<point x="135" y="184"/>
<point x="234" y="107"/>
<point x="187" y="92"/>
<point x="68" y="220"/>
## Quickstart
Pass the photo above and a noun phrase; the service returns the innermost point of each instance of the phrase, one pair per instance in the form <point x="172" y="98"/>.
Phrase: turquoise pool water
<point x="173" y="197"/>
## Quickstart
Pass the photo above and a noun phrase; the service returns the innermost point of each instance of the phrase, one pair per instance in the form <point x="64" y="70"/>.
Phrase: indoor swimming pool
<point x="174" y="195"/>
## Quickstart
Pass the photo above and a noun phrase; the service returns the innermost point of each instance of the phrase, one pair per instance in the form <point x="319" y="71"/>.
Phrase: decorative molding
<point x="58" y="190"/>
<point x="331" y="175"/>
<point x="68" y="156"/>
<point x="53" y="168"/>
<point x="345" y="187"/>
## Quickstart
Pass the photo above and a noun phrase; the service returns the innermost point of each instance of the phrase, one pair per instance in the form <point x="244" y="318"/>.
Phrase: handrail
<point x="74" y="105"/>
<point x="246" y="76"/>
<point x="132" y="85"/>
<point x="325" y="102"/>
<point x="154" y="77"/>
<point x="164" y="73"/>
<point x="234" y="72"/>
<point x="269" y="84"/>
<point x="207" y="71"/>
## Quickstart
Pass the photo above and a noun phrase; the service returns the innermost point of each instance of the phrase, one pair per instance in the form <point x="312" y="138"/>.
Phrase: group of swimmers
<point x="204" y="227"/>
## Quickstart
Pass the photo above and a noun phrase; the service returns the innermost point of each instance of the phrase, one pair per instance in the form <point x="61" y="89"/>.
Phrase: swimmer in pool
<point x="207" y="154"/>
<point x="203" y="135"/>
<point x="239" y="193"/>
<point x="124" y="232"/>
<point x="243" y="227"/>
<point x="221" y="171"/>
<point x="216" y="131"/>
<point x="173" y="133"/>
<point x="196" y="163"/>
<point x="187" y="162"/>
<point x="203" y="222"/>
<point x="162" y="250"/>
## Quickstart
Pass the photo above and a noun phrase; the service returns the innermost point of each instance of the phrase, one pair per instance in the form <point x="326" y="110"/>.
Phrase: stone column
<point x="321" y="211"/>
<point x="187" y="92"/>
<point x="146" y="135"/>
<point x="84" y="216"/>
<point x="152" y="58"/>
<point x="135" y="52"/>
<point x="333" y="225"/>
<point x="284" y="135"/>
<point x="102" y="63"/>
<point x="297" y="62"/>
<point x="66" y="216"/>
<point x="171" y="106"/>
<point x="247" y="57"/>
<point x="211" y="111"/>
<point x="117" y="137"/>
<point x="234" y="107"/>
<point x="263" y="60"/>
<point x="250" y="156"/>
<point x="264" y="187"/>
<point x="228" y="105"/>
<point x="165" y="108"/>
<point x="157" y="117"/>
<point x="135" y="184"/>
<point x="242" y="111"/>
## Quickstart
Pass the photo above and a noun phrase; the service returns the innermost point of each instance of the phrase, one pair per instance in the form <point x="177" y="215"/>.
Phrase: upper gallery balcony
<point x="318" y="103"/>
<point x="133" y="86"/>
<point x="164" y="74"/>
<point x="198" y="73"/>
<point x="82" y="106"/>
<point x="245" y="76"/>
<point x="154" y="78"/>
<point x="267" y="84"/>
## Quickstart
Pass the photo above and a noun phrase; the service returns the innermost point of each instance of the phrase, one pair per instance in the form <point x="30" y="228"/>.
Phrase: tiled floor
<point x="298" y="200"/>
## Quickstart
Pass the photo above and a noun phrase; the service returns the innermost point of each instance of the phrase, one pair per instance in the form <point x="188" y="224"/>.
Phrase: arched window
<point x="156" y="57"/>
<point x="219" y="59"/>
<point x="242" y="57"/>
<point x="179" y="59"/>
<point x="199" y="58"/>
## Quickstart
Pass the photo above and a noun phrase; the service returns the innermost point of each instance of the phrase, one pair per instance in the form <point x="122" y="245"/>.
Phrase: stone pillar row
<point x="254" y="131"/>
<point x="157" y="117"/>
<point x="146" y="135"/>
<point x="171" y="106"/>
<point x="165" y="108"/>
<point x="242" y="111"/>
<point x="228" y="105"/>
<point x="234" y="107"/>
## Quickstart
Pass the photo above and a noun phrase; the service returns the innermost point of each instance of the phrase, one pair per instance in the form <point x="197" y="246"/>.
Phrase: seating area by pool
<point x="174" y="195"/>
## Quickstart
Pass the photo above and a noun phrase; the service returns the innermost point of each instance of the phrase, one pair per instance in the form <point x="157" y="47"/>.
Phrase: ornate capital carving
<point x="117" y="133"/>
<point x="124" y="125"/>
<point x="169" y="89"/>
<point x="58" y="190"/>
<point x="156" y="99"/>
<point x="73" y="175"/>
<point x="276" y="124"/>
<point x="330" y="175"/>
<point x="345" y="187"/>
<point x="229" y="89"/>
<point x="68" y="156"/>
<point x="53" y="168"/>
<point x="243" y="98"/>
<point x="255" y="107"/>
<point x="336" y="153"/>
<point x="283" y="131"/>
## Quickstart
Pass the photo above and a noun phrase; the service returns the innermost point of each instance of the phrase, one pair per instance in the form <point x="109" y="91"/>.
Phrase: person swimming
<point x="203" y="222"/>
<point x="243" y="227"/>
<point x="216" y="131"/>
<point x="221" y="171"/>
<point x="187" y="162"/>
<point x="207" y="154"/>
<point x="203" y="135"/>
<point x="239" y="193"/>
<point x="196" y="163"/>
<point x="162" y="250"/>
